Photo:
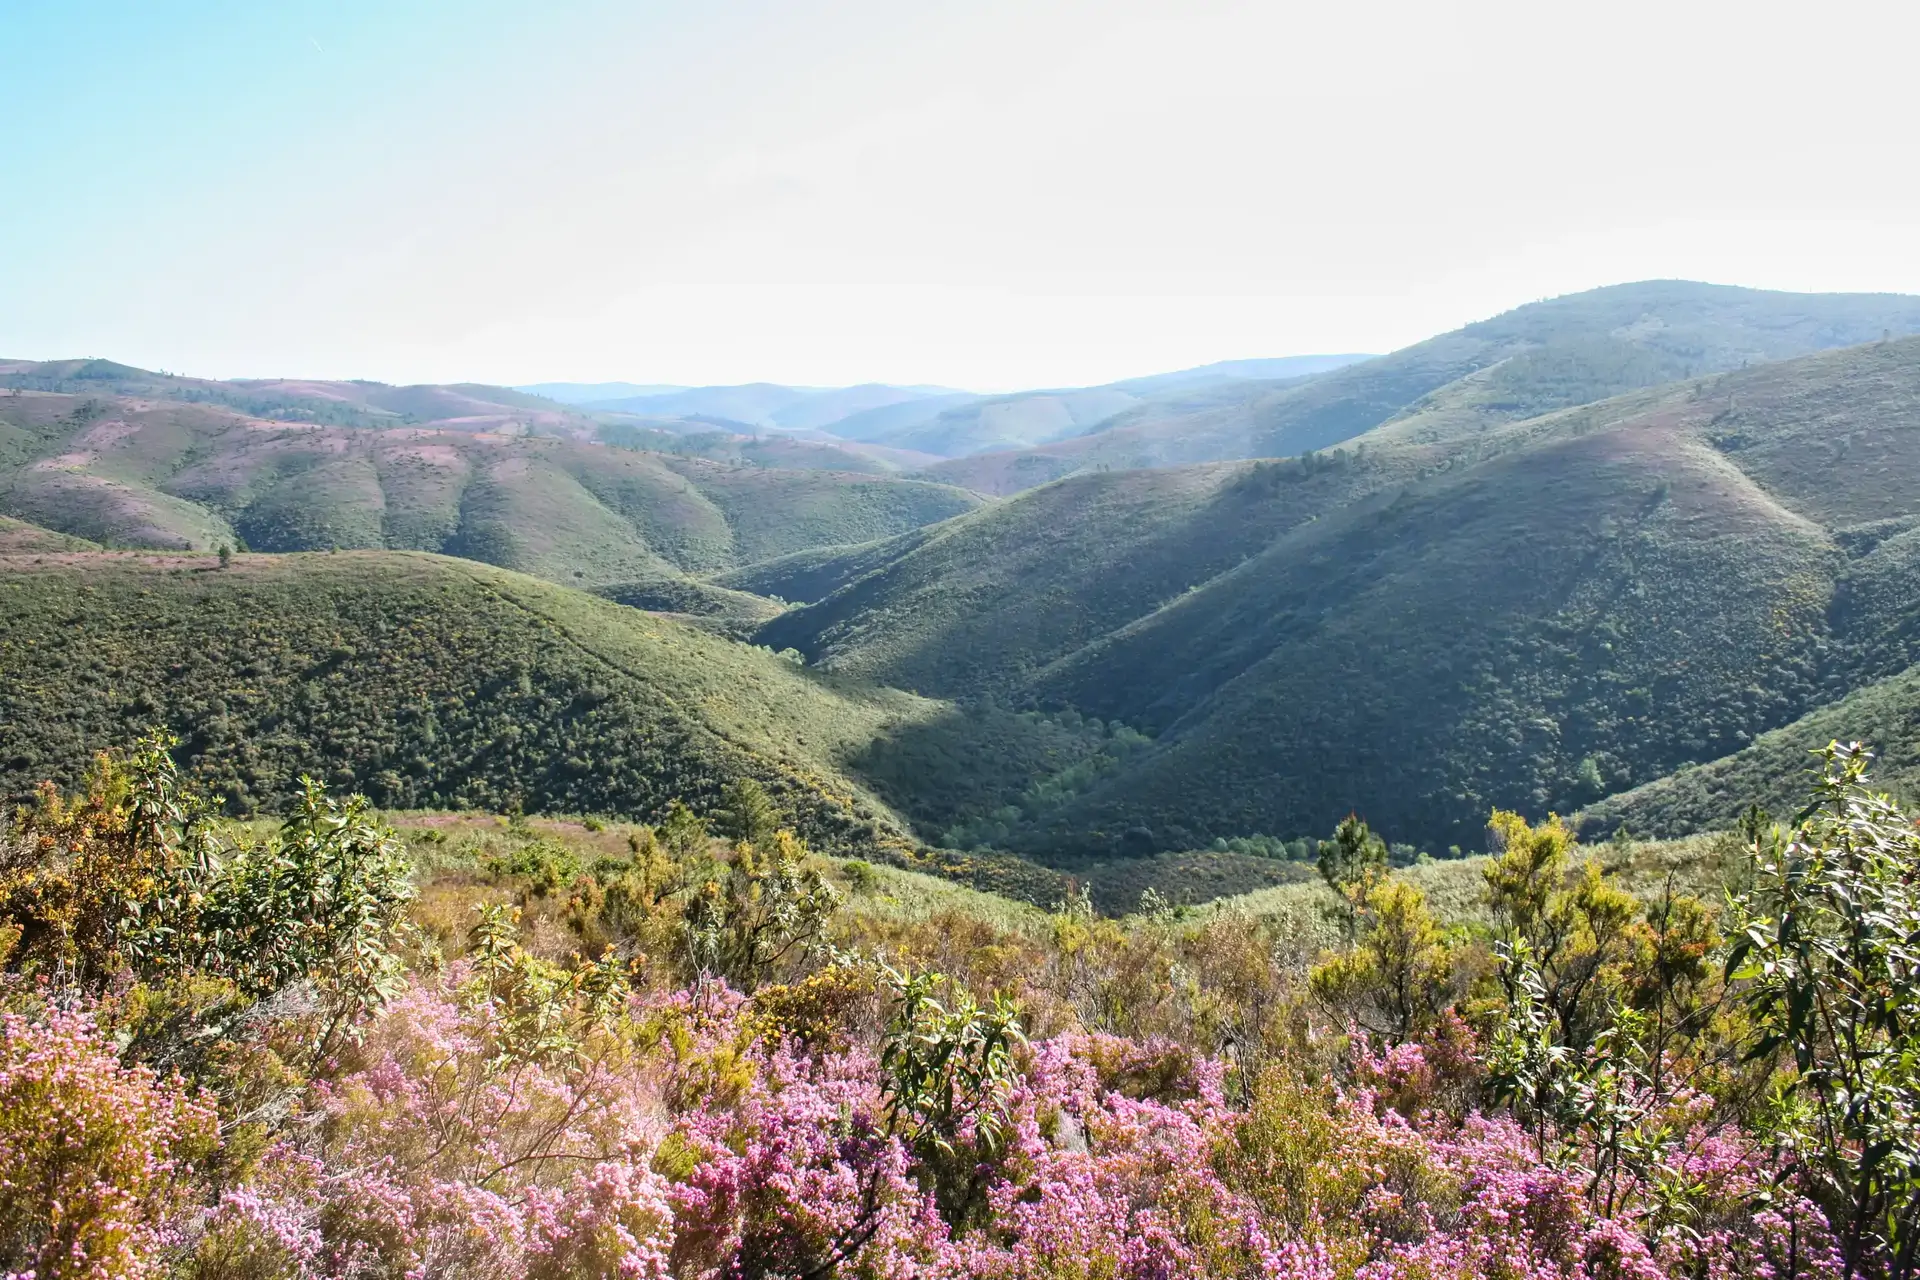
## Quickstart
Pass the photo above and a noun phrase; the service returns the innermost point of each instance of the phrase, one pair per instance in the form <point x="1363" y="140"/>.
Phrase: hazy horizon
<point x="997" y="197"/>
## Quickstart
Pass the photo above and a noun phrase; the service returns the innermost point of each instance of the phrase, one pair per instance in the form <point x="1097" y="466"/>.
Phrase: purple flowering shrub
<point x="739" y="1086"/>
<point x="712" y="1150"/>
<point x="96" y="1158"/>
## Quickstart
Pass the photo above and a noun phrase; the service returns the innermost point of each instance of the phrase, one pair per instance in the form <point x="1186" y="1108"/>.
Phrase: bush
<point x="98" y="1157"/>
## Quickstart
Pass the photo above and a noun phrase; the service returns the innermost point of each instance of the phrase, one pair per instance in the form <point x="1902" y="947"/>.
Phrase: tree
<point x="1579" y="929"/>
<point x="1352" y="862"/>
<point x="748" y="814"/>
<point x="1399" y="977"/>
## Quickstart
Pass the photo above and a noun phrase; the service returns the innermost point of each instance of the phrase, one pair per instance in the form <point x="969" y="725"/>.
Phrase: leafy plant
<point x="769" y="908"/>
<point x="948" y="1070"/>
<point x="1826" y="954"/>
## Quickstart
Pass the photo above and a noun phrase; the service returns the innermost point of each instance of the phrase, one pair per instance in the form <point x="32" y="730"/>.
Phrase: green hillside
<point x="978" y="605"/>
<point x="422" y="681"/>
<point x="1772" y="770"/>
<point x="732" y="447"/>
<point x="1532" y="615"/>
<point x="17" y="537"/>
<point x="173" y="474"/>
<point x="1547" y="355"/>
<point x="806" y="577"/>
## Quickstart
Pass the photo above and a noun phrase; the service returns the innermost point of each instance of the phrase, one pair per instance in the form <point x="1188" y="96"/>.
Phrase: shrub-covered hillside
<point x="1536" y="615"/>
<point x="981" y="604"/>
<point x="418" y="680"/>
<point x="177" y="474"/>
<point x="501" y="1049"/>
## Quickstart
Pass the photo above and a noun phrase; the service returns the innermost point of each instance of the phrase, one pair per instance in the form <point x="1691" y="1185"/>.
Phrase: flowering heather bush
<point x="95" y="1158"/>
<point x="521" y="1114"/>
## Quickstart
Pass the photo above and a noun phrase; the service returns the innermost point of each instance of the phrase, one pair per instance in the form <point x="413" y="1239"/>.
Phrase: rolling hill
<point x="1532" y="615"/>
<point x="468" y="406"/>
<point x="177" y="474"/>
<point x="421" y="680"/>
<point x="1578" y="349"/>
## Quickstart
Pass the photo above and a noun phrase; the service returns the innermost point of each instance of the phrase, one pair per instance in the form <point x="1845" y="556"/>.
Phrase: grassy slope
<point x="17" y="537"/>
<point x="422" y="680"/>
<point x="178" y="475"/>
<point x="1629" y="595"/>
<point x="978" y="604"/>
<point x="1529" y="615"/>
<point x="1536" y="358"/>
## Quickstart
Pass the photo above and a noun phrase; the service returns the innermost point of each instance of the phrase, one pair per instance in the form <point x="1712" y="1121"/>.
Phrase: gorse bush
<point x="695" y="1059"/>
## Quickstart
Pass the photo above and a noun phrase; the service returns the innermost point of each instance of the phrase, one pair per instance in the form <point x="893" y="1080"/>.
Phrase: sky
<point x="974" y="193"/>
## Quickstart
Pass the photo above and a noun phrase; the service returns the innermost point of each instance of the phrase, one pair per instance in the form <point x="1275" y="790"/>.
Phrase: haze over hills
<point x="1535" y="358"/>
<point x="937" y="421"/>
<point x="588" y="392"/>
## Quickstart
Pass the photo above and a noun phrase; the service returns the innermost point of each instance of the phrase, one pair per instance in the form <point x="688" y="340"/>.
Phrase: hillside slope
<point x="977" y="605"/>
<point x="1530" y="615"/>
<point x="1593" y="604"/>
<point x="470" y="406"/>
<point x="423" y="681"/>
<point x="1773" y="770"/>
<point x="135" y="472"/>
<point x="1577" y="349"/>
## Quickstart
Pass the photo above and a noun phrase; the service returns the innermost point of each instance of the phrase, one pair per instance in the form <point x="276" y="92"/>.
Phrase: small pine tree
<point x="1353" y="862"/>
<point x="749" y="814"/>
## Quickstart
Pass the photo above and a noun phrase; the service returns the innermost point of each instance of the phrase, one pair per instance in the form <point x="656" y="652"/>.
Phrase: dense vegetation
<point x="180" y="474"/>
<point x="470" y="1048"/>
<point x="1537" y="615"/>
<point x="419" y="681"/>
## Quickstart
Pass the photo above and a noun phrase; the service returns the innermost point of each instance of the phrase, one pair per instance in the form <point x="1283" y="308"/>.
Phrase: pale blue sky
<point x="979" y="194"/>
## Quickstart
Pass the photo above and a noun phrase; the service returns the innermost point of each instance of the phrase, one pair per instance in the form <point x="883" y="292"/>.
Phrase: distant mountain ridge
<point x="1543" y="356"/>
<point x="128" y="458"/>
<point x="935" y="420"/>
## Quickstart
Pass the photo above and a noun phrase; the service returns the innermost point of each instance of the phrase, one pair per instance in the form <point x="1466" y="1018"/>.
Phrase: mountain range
<point x="1629" y="554"/>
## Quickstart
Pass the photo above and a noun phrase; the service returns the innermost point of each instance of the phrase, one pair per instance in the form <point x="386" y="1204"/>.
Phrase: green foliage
<point x="747" y="814"/>
<point x="320" y="899"/>
<point x="419" y="682"/>
<point x="545" y="865"/>
<point x="1353" y="861"/>
<point x="769" y="909"/>
<point x="948" y="1072"/>
<point x="975" y="775"/>
<point x="1399" y="976"/>
<point x="1825" y="951"/>
<point x="530" y="1010"/>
